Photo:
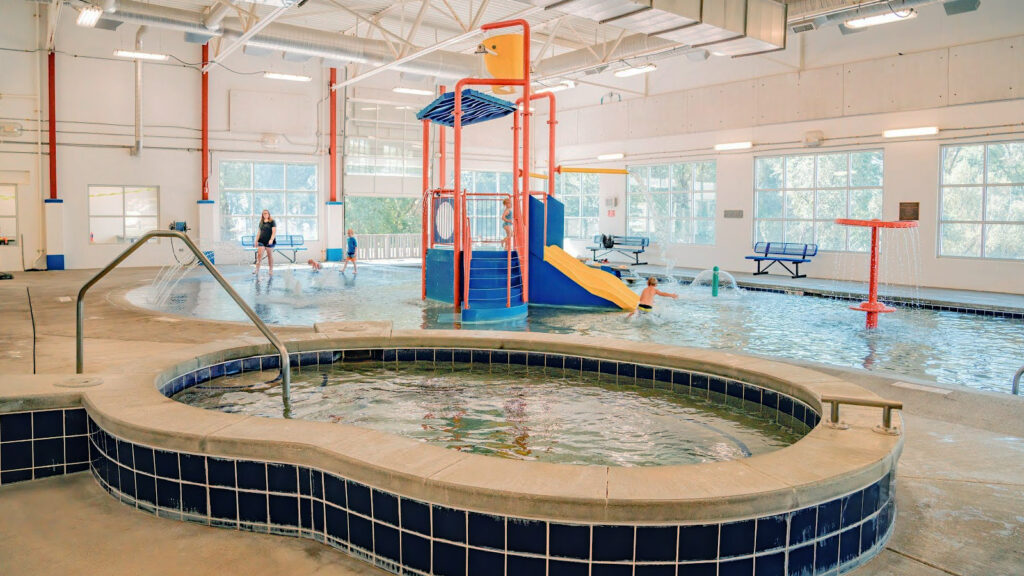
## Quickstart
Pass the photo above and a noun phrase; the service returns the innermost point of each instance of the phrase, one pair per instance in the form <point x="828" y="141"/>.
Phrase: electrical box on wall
<point x="910" y="210"/>
<point x="611" y="202"/>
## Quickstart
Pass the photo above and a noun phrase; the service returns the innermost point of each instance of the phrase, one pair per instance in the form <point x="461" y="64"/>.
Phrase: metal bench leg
<point x="765" y="271"/>
<point x="797" y="274"/>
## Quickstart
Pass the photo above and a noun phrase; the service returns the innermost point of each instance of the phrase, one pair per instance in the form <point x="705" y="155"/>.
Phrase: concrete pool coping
<point x="823" y="465"/>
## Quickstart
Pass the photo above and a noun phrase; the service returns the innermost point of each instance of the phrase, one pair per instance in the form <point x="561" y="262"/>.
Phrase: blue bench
<point x="782" y="252"/>
<point x="293" y="243"/>
<point x="630" y="246"/>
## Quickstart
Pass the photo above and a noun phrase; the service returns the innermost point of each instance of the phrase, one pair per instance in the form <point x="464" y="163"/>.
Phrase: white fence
<point x="389" y="246"/>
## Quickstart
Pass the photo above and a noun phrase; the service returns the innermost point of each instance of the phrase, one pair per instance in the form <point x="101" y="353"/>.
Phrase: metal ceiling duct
<point x="632" y="46"/>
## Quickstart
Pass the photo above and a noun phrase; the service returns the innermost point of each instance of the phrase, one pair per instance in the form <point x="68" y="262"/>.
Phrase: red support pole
<point x="52" y="75"/>
<point x="457" y="204"/>
<point x="333" y="147"/>
<point x="427" y="228"/>
<point x="205" y="184"/>
<point x="872" y="320"/>
<point x="443" y="168"/>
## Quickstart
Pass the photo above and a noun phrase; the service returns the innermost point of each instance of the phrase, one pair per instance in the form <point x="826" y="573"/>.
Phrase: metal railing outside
<point x="1016" y="380"/>
<point x="390" y="246"/>
<point x="79" y="348"/>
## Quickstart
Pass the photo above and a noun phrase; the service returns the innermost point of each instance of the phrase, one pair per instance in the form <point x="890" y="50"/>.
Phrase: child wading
<point x="350" y="252"/>
<point x="647" y="296"/>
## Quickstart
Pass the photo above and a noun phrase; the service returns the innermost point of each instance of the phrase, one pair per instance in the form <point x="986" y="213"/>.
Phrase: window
<point x="982" y="201"/>
<point x="579" y="193"/>
<point x="120" y="214"/>
<point x="288" y="191"/>
<point x="382" y="215"/>
<point x="366" y="155"/>
<point x="672" y="203"/>
<point x="8" y="214"/>
<point x="798" y="198"/>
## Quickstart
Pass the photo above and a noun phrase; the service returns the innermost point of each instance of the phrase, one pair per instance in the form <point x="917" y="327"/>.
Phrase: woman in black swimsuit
<point x="265" y="240"/>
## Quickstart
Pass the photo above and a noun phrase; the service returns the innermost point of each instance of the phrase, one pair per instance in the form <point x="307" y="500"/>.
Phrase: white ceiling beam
<point x="252" y="31"/>
<point x="424" y="4"/>
<point x="479" y="13"/>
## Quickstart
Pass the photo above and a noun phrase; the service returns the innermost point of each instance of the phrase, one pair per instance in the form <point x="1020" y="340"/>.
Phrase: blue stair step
<point x="494" y="293"/>
<point x="495" y="281"/>
<point x="494" y="254"/>
<point x="492" y="265"/>
<point x="479" y="314"/>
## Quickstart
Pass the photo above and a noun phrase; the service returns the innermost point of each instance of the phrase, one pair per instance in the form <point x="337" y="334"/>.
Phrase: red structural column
<point x="443" y="168"/>
<point x="426" y="206"/>
<point x="52" y="88"/>
<point x="205" y="184"/>
<point x="333" y="147"/>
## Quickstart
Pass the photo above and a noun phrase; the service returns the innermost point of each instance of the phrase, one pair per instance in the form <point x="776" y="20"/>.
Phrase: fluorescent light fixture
<point x="635" y="70"/>
<point x="369" y="108"/>
<point x="616" y="156"/>
<point x="905" y="132"/>
<point x="883" y="18"/>
<point x="89" y="16"/>
<point x="288" y="77"/>
<point x="140" y="55"/>
<point x="554" y="88"/>
<point x="413" y="91"/>
<point x="733" y="146"/>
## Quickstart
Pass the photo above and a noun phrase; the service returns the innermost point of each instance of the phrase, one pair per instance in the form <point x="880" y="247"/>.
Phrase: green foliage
<point x="378" y="215"/>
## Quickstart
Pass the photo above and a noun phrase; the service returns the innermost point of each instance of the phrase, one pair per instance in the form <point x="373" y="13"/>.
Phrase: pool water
<point x="537" y="414"/>
<point x="930" y="345"/>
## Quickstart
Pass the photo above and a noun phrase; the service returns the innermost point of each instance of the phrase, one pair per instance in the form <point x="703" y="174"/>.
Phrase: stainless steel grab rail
<point x="1016" y="380"/>
<point x="887" y="407"/>
<point x="79" y="348"/>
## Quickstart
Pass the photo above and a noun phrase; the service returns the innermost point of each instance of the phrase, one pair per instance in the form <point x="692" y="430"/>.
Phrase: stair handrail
<point x="80" y="304"/>
<point x="1016" y="380"/>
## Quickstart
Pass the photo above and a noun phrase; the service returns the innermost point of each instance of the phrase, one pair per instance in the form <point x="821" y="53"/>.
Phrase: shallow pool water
<point x="546" y="415"/>
<point x="948" y="347"/>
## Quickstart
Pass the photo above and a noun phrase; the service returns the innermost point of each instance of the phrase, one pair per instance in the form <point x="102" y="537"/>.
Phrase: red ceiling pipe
<point x="332" y="149"/>
<point x="52" y="75"/>
<point x="206" y="123"/>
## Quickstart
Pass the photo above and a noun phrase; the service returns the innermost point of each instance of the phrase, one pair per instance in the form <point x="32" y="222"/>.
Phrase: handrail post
<point x="80" y="304"/>
<point x="1016" y="380"/>
<point x="887" y="407"/>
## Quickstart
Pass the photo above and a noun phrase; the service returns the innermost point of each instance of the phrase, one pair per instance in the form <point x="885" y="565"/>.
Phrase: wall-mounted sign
<point x="910" y="210"/>
<point x="611" y="213"/>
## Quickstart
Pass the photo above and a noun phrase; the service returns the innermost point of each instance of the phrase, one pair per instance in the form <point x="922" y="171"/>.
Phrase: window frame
<point x="283" y="217"/>
<point x="692" y="192"/>
<point x="124" y="215"/>
<point x="814" y="220"/>
<point x="984" y="186"/>
<point x="584" y="221"/>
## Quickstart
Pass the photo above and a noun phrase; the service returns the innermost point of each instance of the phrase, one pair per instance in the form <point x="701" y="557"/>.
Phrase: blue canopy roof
<point x="476" y="107"/>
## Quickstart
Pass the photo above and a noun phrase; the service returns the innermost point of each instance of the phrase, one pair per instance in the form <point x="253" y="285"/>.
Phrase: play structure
<point x="873" y="307"/>
<point x="493" y="275"/>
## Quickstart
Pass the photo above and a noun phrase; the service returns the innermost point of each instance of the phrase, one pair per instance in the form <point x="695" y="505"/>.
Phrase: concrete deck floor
<point x="960" y="486"/>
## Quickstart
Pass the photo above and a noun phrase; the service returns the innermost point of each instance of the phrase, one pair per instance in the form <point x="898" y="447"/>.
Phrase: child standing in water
<point x="506" y="220"/>
<point x="350" y="252"/>
<point x="647" y="296"/>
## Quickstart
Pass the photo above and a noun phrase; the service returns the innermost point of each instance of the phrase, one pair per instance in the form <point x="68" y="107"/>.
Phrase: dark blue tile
<point x="316" y="478"/>
<point x="282" y="478"/>
<point x="486" y="531"/>
<point x="334" y="490"/>
<point x="49" y="452"/>
<point x="527" y="536"/>
<point x="385" y="542"/>
<point x="416" y="516"/>
<point x="80" y="467"/>
<point x="143" y="459"/>
<point x="614" y="543"/>
<point x="145" y="488"/>
<point x="252" y="507"/>
<point x="655" y="570"/>
<point x="327" y="357"/>
<point x="251" y="364"/>
<point x="849" y="545"/>
<point x="868" y="535"/>
<point x="16" y="476"/>
<point x="193" y="469"/>
<point x="591" y="365"/>
<point x="385" y="508"/>
<point x="406" y="355"/>
<point x="389" y="355"/>
<point x="318" y="517"/>
<point x="770" y="564"/>
<point x="337" y="522"/>
<point x="126" y="481"/>
<point x="232" y="367"/>
<point x="449" y="524"/>
<point x="166" y="464"/>
<point x="524" y="565"/>
<point x="752" y="393"/>
<point x="124" y="453"/>
<point x="736" y="539"/>
<point x="826" y="554"/>
<point x="698" y="542"/>
<point x="518" y="358"/>
<point x="360" y="532"/>
<point x="699" y="382"/>
<point x="74" y="421"/>
<point x="193" y="499"/>
<point x="556" y="361"/>
<point x="15" y="427"/>
<point x="569" y="541"/>
<point x="785" y="404"/>
<point x="566" y="568"/>
<point x="284" y="510"/>
<point x="535" y="359"/>
<point x="698" y="569"/>
<point x="48" y="424"/>
<point x="484" y="562"/>
<point x="573" y="363"/>
<point x="716" y="385"/>
<point x="461" y="356"/>
<point x="850" y="508"/>
<point x="798" y="411"/>
<point x="802" y="525"/>
<point x="449" y="560"/>
<point x="645" y="372"/>
<point x="656" y="543"/>
<point x="443" y="355"/>
<point x="424" y="355"/>
<point x="416" y="552"/>
<point x="609" y="367"/>
<point x="305" y="482"/>
<point x="216" y="371"/>
<point x="741" y="567"/>
<point x="309" y="358"/>
<point x="359" y="499"/>
<point x="734" y="389"/>
<point x="222" y="472"/>
<point x="305" y="513"/>
<point x="47" y="471"/>
<point x="611" y="570"/>
<point x="251" y="475"/>
<point x="168" y="494"/>
<point x="627" y="371"/>
<point x="828" y="517"/>
<point x="771" y="533"/>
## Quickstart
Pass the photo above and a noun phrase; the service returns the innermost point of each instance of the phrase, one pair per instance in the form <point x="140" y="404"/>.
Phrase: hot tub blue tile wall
<point x="407" y="536"/>
<point x="42" y="443"/>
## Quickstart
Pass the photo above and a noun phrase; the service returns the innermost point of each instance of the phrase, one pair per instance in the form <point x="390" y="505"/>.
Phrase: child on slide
<point x="647" y="296"/>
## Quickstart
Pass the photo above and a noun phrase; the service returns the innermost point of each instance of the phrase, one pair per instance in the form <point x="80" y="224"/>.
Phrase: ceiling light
<point x="89" y="16"/>
<point x="413" y="91"/>
<point x="139" y="55"/>
<point x="905" y="132"/>
<point x="368" y="108"/>
<point x="733" y="146"/>
<point x="567" y="84"/>
<point x="636" y="70"/>
<point x="616" y="156"/>
<point x="288" y="77"/>
<point x="883" y="18"/>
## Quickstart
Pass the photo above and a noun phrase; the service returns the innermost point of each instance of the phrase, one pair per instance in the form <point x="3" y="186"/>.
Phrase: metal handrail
<point x="1016" y="380"/>
<point x="79" y="348"/>
<point x="887" y="407"/>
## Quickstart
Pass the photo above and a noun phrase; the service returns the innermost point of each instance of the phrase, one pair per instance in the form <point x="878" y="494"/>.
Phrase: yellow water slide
<point x="597" y="282"/>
